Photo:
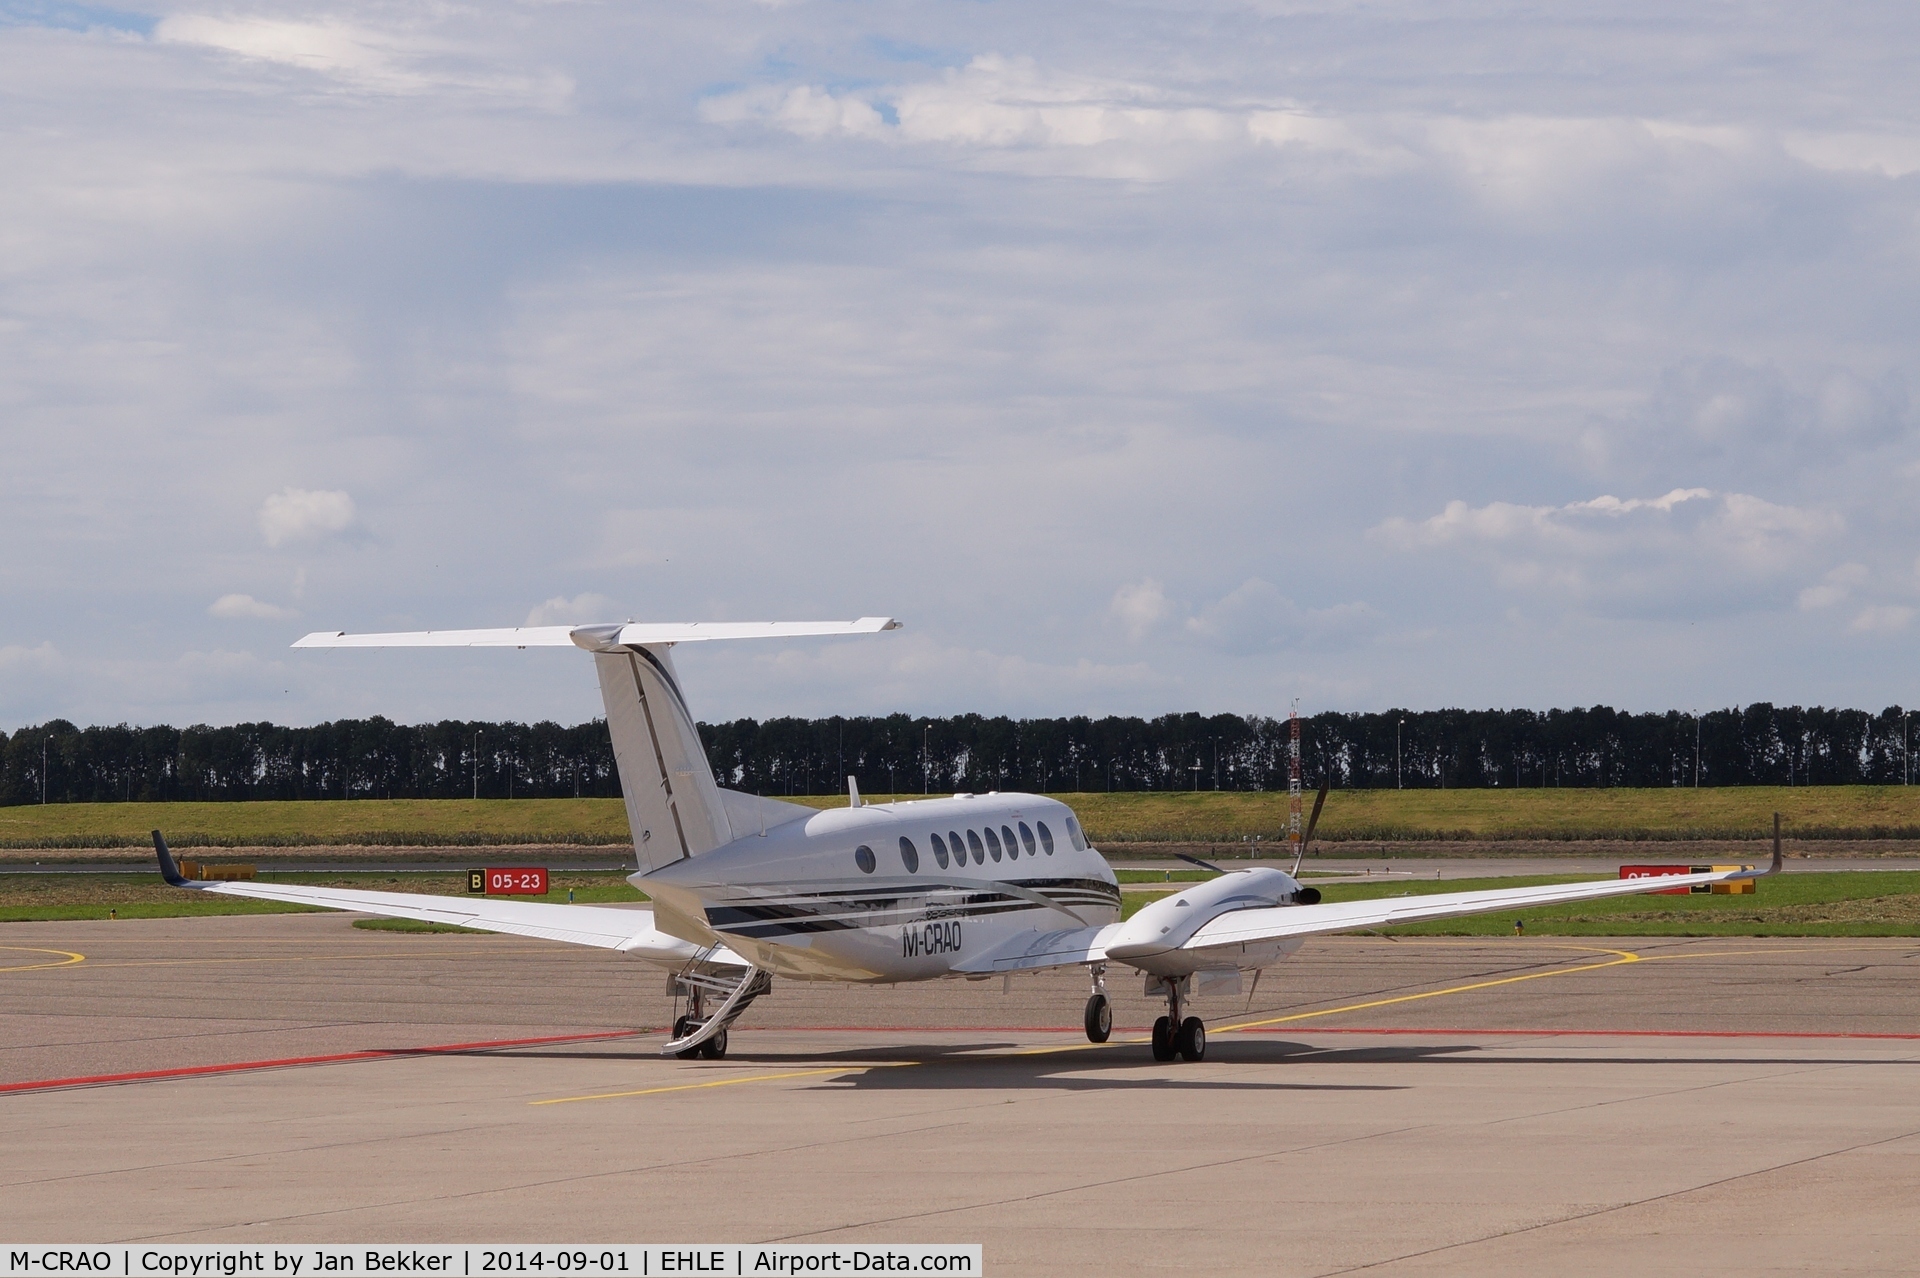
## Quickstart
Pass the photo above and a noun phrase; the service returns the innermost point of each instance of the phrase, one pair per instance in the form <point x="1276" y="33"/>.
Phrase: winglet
<point x="169" y="870"/>
<point x="1779" y="857"/>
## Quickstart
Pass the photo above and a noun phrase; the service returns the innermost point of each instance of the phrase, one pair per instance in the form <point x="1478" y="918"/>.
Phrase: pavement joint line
<point x="723" y="1082"/>
<point x="335" y="1058"/>
<point x="1630" y="1205"/>
<point x="68" y="958"/>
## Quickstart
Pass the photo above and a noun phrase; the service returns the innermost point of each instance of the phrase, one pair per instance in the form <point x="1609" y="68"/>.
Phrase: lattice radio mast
<point x="1293" y="781"/>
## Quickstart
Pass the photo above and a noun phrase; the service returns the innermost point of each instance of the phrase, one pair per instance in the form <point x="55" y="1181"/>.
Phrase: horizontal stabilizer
<point x="597" y="637"/>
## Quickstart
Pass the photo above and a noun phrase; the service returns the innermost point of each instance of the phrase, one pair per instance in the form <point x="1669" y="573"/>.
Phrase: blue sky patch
<point x="73" y="17"/>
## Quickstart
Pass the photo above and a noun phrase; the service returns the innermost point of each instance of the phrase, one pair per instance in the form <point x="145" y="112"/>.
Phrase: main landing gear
<point x="714" y="1048"/>
<point x="1173" y="1036"/>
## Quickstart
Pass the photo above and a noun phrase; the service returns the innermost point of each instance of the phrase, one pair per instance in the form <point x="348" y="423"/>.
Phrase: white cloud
<point x="246" y="607"/>
<point x="1139" y="607"/>
<point x="360" y="57"/>
<point x="582" y="609"/>
<point x="18" y="658"/>
<point x="1835" y="587"/>
<point x="1572" y="525"/>
<point x="296" y="514"/>
<point x="1688" y="551"/>
<point x="1882" y="619"/>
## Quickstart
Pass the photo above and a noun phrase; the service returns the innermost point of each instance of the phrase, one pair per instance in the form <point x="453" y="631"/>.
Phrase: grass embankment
<point x="318" y="823"/>
<point x="1812" y="812"/>
<point x="1877" y="903"/>
<point x="42" y="897"/>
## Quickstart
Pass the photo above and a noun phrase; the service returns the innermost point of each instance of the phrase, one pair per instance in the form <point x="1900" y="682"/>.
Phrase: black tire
<point x="1099" y="1019"/>
<point x="682" y="1028"/>
<point x="1192" y="1041"/>
<point x="1163" y="1039"/>
<point x="716" y="1047"/>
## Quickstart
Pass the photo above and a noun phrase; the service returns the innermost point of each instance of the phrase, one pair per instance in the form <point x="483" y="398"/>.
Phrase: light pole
<point x="1906" y="753"/>
<point x="43" y="769"/>
<point x="1398" y="784"/>
<point x="926" y="766"/>
<point x="1696" y="749"/>
<point x="1194" y="768"/>
<point x="476" y="763"/>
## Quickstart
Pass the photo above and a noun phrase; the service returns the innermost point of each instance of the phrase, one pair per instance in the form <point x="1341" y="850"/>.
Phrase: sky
<point x="1137" y="357"/>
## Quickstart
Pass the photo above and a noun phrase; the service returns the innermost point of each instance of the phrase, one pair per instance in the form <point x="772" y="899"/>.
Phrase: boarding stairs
<point x="735" y="988"/>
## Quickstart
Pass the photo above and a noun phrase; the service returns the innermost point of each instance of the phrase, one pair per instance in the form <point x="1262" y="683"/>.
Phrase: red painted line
<point x="234" y="1067"/>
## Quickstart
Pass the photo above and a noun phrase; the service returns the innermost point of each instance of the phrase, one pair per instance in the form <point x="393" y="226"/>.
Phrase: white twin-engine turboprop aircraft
<point x="977" y="885"/>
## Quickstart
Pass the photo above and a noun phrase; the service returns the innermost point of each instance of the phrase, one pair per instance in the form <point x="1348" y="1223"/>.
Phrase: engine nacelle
<point x="1168" y="923"/>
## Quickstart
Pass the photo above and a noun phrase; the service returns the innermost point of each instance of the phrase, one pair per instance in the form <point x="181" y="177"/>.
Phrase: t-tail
<point x="674" y="805"/>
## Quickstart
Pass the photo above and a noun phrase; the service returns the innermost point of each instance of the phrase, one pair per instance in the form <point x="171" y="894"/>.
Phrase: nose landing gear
<point x="1099" y="1010"/>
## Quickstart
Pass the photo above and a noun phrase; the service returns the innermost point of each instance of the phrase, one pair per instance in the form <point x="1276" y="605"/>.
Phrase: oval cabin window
<point x="909" y="855"/>
<point x="1006" y="837"/>
<point x="993" y="844"/>
<point x="979" y="853"/>
<point x="863" y="857"/>
<point x="939" y="850"/>
<point x="1046" y="837"/>
<point x="1026" y="837"/>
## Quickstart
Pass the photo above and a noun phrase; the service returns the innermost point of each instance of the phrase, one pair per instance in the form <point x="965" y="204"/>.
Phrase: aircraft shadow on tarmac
<point x="992" y="1064"/>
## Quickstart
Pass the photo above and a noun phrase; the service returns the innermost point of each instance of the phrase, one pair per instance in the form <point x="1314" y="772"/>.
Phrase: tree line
<point x="1760" y="744"/>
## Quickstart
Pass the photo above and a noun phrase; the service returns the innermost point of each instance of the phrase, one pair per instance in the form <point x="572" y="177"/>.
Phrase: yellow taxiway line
<point x="67" y="958"/>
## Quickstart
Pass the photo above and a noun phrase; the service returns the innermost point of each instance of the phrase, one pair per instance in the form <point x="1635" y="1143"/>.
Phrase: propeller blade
<point x="1319" y="801"/>
<point x="1205" y="865"/>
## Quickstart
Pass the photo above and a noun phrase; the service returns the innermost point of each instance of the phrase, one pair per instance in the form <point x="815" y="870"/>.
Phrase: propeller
<point x="1205" y="865"/>
<point x="1319" y="801"/>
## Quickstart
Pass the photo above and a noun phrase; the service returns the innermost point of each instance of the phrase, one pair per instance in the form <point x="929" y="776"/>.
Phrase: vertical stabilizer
<point x="673" y="804"/>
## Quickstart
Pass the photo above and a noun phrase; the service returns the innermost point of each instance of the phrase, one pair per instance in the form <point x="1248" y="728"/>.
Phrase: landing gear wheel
<point x="682" y="1028"/>
<point x="1099" y="1019"/>
<point x="714" y="1048"/>
<point x="1163" y="1039"/>
<point x="1192" y="1040"/>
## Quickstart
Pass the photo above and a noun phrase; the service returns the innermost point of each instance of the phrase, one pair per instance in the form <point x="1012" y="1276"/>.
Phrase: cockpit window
<point x="863" y="857"/>
<point x="1073" y="832"/>
<point x="909" y="855"/>
<point x="1046" y="837"/>
<point x="939" y="850"/>
<point x="1026" y="837"/>
<point x="1006" y="837"/>
<point x="993" y="844"/>
<point x="973" y="841"/>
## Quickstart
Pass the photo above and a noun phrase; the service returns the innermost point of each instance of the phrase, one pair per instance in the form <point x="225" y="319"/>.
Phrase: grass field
<point x="1875" y="903"/>
<point x="1817" y="812"/>
<point x="26" y="898"/>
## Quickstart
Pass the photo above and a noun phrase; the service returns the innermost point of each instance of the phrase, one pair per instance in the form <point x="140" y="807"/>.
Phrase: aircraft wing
<point x="627" y="931"/>
<point x="1242" y="927"/>
<point x="1219" y="939"/>
<point x="1031" y="951"/>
